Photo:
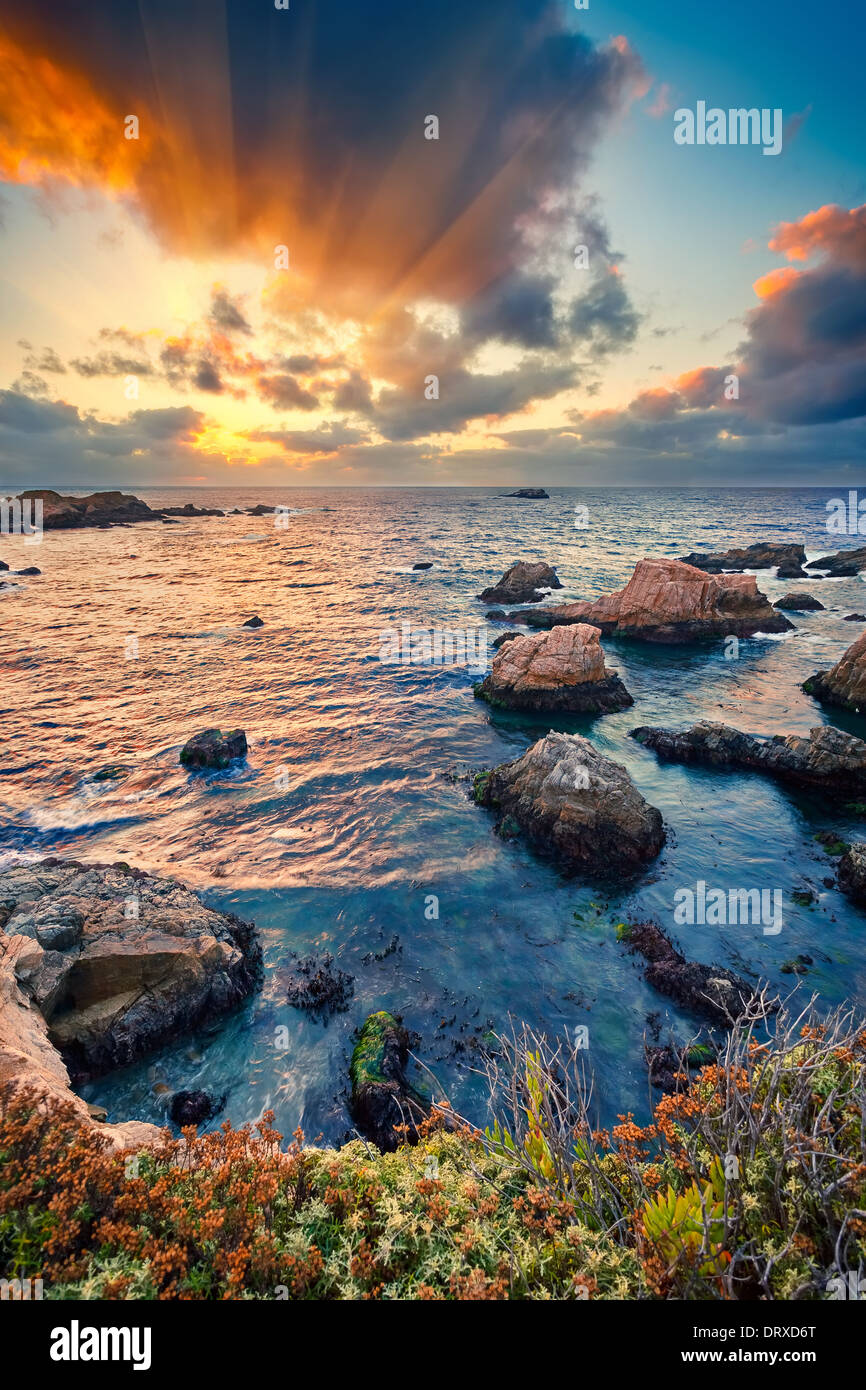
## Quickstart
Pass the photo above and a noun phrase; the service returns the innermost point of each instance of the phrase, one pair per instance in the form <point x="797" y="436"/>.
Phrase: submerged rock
<point x="799" y="603"/>
<point x="317" y="987"/>
<point x="709" y="991"/>
<point x="423" y="565"/>
<point x="669" y="601"/>
<point x="194" y="1107"/>
<point x="854" y="618"/>
<point x="120" y="962"/>
<point x="845" y="683"/>
<point x="254" y="622"/>
<point x="382" y="1097"/>
<point x="561" y="670"/>
<point x="522" y="583"/>
<point x="534" y="493"/>
<point x="845" y="564"/>
<point x="212" y="748"/>
<point x="763" y="555"/>
<point x="575" y="806"/>
<point x="828" y="760"/>
<point x="31" y="570"/>
<point x="852" y="872"/>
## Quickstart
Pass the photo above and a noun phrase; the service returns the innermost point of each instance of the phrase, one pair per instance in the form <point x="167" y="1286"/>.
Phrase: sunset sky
<point x="151" y="265"/>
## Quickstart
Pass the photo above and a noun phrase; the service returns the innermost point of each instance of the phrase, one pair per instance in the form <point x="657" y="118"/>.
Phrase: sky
<point x="350" y="243"/>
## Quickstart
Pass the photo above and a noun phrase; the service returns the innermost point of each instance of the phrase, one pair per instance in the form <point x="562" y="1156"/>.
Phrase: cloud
<point x="226" y="314"/>
<point x="284" y="392"/>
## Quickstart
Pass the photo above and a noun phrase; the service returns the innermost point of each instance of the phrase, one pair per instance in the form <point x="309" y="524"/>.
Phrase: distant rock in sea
<point x="522" y="583"/>
<point x="254" y="622"/>
<point x="534" y="494"/>
<point x="672" y="602"/>
<point x="188" y="509"/>
<point x="212" y="748"/>
<point x="828" y="760"/>
<point x="854" y="618"/>
<point x="844" y="684"/>
<point x="763" y="555"/>
<point x="98" y="509"/>
<point x="423" y="565"/>
<point x="575" y="806"/>
<point x="558" y="671"/>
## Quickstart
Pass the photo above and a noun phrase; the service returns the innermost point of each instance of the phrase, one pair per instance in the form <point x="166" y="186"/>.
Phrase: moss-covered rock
<point x="383" y="1100"/>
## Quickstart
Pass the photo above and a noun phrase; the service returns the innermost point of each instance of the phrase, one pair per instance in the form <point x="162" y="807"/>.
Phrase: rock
<point x="254" y="622"/>
<point x="669" y="601"/>
<point x="503" y="638"/>
<point x="845" y="683"/>
<point x="799" y="603"/>
<point x="97" y="509"/>
<point x="29" y="571"/>
<point x="382" y="1097"/>
<point x="29" y="1060"/>
<point x="169" y="521"/>
<point x="709" y="991"/>
<point x="852" y="872"/>
<point x="189" y="510"/>
<point x="213" y="748"/>
<point x="317" y="987"/>
<point x="423" y="565"/>
<point x="561" y="670"/>
<point x="761" y="556"/>
<point x="522" y="583"/>
<point x="667" y="1065"/>
<point x="534" y="493"/>
<point x="3" y="565"/>
<point x="854" y="618"/>
<point x="798" y="966"/>
<point x="828" y="760"/>
<point x="845" y="564"/>
<point x="122" y="962"/>
<point x="261" y="510"/>
<point x="575" y="806"/>
<point x="114" y="773"/>
<point x="194" y="1107"/>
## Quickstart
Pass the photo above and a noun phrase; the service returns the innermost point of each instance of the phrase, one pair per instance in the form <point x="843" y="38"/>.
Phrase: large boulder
<point x="763" y="555"/>
<point x="383" y="1100"/>
<point x="845" y="683"/>
<point x="575" y="806"/>
<point x="828" y="760"/>
<point x="123" y="962"/>
<point x="558" y="671"/>
<point x="669" y="601"/>
<point x="28" y="1059"/>
<point x="522" y="583"/>
<point x="213" y="748"/>
<point x="709" y="991"/>
<point x="799" y="603"/>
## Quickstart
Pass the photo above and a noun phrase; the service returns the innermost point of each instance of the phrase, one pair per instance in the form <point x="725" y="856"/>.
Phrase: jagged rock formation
<point x="845" y="564"/>
<point x="762" y="555"/>
<point x="845" y="683"/>
<point x="575" y="806"/>
<point x="561" y="670"/>
<point x="212" y="748"/>
<point x="828" y="760"/>
<point x="669" y="601"/>
<point x="522" y="583"/>
<point x="709" y="991"/>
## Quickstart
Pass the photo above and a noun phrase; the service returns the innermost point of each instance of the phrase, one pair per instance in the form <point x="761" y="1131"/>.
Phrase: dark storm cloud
<point x="110" y="364"/>
<point x="284" y="392"/>
<point x="226" y="314"/>
<point x="604" y="318"/>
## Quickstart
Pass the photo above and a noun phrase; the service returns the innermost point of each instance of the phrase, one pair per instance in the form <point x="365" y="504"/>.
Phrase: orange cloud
<point x="775" y="282"/>
<point x="836" y="231"/>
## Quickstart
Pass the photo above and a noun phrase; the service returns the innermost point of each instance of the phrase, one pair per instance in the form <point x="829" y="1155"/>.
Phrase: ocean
<point x="349" y="828"/>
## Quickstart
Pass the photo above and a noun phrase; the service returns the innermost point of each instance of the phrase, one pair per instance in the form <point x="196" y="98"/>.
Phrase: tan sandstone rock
<point x="558" y="670"/>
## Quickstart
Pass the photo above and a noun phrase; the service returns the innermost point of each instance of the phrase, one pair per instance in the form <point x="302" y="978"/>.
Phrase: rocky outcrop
<point x="522" y="583"/>
<point x="574" y="806"/>
<point x="845" y="564"/>
<point x="383" y="1100"/>
<point x="799" y="603"/>
<point x="828" y="760"/>
<point x="844" y="684"/>
<point x="255" y="621"/>
<point x="61" y="513"/>
<point x="761" y="556"/>
<point x="120" y="962"/>
<point x="189" y="510"/>
<point x="708" y="991"/>
<point x="852" y="872"/>
<point x="212" y="748"/>
<point x="534" y="493"/>
<point x="669" y="601"/>
<point x="562" y="670"/>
